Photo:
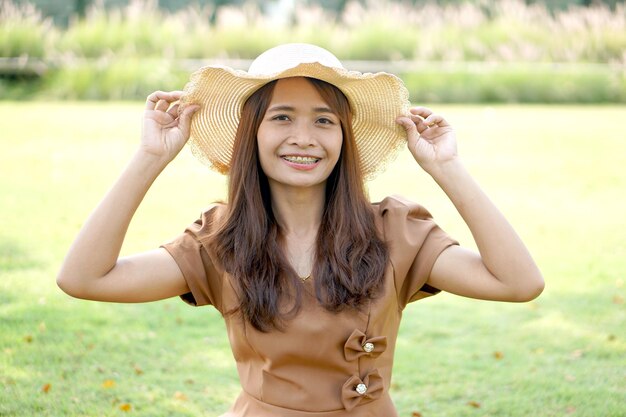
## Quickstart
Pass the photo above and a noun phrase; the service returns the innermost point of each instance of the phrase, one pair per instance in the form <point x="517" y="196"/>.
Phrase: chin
<point x="303" y="183"/>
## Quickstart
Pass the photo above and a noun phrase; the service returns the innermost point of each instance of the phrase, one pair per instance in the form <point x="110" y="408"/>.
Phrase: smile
<point x="301" y="159"/>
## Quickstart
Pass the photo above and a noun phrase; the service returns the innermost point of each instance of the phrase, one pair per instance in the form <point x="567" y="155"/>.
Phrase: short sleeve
<point x="197" y="263"/>
<point x="415" y="241"/>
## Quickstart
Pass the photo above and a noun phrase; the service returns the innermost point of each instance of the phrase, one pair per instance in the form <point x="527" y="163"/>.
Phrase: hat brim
<point x="376" y="101"/>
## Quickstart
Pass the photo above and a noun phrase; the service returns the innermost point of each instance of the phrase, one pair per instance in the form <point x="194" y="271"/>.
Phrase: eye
<point x="281" y="118"/>
<point x="325" y="121"/>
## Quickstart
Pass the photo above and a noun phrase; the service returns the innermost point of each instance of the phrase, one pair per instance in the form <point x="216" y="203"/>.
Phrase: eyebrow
<point x="292" y="109"/>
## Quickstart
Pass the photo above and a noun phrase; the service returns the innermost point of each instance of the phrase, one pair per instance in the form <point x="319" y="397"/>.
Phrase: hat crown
<point x="287" y="56"/>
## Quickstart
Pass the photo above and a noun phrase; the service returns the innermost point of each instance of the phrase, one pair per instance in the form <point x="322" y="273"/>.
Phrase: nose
<point x="302" y="136"/>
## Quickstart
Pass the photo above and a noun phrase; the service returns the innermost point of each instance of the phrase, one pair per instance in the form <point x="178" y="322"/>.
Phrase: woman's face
<point x="299" y="137"/>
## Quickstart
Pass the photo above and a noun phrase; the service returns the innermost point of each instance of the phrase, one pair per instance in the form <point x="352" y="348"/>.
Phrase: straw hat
<point x="376" y="101"/>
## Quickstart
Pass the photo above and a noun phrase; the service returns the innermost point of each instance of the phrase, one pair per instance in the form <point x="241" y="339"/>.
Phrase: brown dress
<point x="324" y="364"/>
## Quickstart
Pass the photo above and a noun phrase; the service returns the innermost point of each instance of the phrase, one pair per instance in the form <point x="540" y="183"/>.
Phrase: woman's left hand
<point x="431" y="139"/>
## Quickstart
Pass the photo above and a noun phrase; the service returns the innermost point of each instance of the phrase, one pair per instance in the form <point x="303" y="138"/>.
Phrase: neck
<point x="298" y="211"/>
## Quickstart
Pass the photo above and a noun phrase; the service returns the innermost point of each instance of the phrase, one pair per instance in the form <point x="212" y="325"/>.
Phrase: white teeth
<point x="301" y="159"/>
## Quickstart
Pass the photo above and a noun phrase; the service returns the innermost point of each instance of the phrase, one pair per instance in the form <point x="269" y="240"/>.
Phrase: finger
<point x="173" y="110"/>
<point x="436" y="120"/>
<point x="162" y="105"/>
<point x="157" y="96"/>
<point x="419" y="123"/>
<point x="153" y="99"/>
<point x="421" y="111"/>
<point x="184" y="121"/>
<point x="408" y="125"/>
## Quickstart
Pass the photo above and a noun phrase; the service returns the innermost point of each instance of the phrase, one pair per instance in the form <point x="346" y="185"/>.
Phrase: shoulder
<point x="214" y="211"/>
<point x="397" y="203"/>
<point x="210" y="219"/>
<point x="415" y="242"/>
<point x="403" y="223"/>
<point x="397" y="210"/>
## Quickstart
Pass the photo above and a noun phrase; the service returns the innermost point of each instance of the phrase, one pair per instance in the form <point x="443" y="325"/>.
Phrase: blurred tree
<point x="337" y="6"/>
<point x="81" y="7"/>
<point x="173" y="5"/>
<point x="62" y="11"/>
<point x="550" y="4"/>
<point x="564" y="4"/>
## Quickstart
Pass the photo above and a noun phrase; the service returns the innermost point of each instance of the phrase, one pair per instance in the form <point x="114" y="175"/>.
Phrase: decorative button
<point x="361" y="389"/>
<point x="357" y="391"/>
<point x="358" y="344"/>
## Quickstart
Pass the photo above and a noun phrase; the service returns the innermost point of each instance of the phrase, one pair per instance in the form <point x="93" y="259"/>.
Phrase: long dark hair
<point x="350" y="256"/>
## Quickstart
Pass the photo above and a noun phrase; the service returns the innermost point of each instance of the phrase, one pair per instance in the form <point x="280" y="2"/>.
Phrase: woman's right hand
<point x="165" y="130"/>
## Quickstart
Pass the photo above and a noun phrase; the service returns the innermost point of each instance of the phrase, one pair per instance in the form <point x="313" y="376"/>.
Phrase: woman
<point x="310" y="277"/>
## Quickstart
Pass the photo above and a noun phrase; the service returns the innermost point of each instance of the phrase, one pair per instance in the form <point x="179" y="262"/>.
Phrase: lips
<point x="298" y="159"/>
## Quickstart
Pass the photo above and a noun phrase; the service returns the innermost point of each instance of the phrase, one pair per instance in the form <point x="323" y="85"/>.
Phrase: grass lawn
<point x="557" y="173"/>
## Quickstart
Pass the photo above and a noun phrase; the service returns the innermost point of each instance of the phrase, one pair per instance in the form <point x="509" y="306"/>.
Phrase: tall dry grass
<point x="502" y="31"/>
<point x="24" y="31"/>
<point x="507" y="35"/>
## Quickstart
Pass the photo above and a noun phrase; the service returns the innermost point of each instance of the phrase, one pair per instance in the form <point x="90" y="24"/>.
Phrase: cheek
<point x="337" y="144"/>
<point x="268" y="137"/>
<point x="261" y="144"/>
<point x="264" y="155"/>
<point x="263" y="141"/>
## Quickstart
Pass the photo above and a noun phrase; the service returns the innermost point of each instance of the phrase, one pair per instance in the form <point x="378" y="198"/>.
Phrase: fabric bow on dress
<point x="358" y="345"/>
<point x="356" y="390"/>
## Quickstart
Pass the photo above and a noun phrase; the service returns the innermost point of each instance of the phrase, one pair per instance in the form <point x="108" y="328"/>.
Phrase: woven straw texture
<point x="376" y="100"/>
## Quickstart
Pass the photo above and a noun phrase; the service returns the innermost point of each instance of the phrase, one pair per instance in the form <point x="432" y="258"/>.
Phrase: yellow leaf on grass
<point x="46" y="387"/>
<point x="416" y="414"/>
<point x="498" y="355"/>
<point x="180" y="396"/>
<point x="109" y="383"/>
<point x="578" y="353"/>
<point x="137" y="369"/>
<point x="474" y="404"/>
<point x="125" y="407"/>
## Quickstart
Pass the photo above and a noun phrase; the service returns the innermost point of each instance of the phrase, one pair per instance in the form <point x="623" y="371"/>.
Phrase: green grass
<point x="557" y="173"/>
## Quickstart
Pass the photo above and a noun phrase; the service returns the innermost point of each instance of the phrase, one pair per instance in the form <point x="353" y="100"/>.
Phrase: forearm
<point x="502" y="251"/>
<point x="96" y="248"/>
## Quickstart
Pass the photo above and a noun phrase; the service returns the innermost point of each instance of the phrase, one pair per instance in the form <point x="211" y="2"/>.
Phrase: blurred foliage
<point x="63" y="11"/>
<point x="528" y="53"/>
<point x="22" y="29"/>
<point x="517" y="84"/>
<point x="114" y="80"/>
<point x="506" y="31"/>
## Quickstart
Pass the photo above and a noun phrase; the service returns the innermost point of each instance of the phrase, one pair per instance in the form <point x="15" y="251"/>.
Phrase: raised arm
<point x="92" y="269"/>
<point x="503" y="269"/>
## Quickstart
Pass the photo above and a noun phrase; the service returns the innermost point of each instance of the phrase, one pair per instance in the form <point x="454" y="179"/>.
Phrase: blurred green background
<point x="448" y="51"/>
<point x="535" y="90"/>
